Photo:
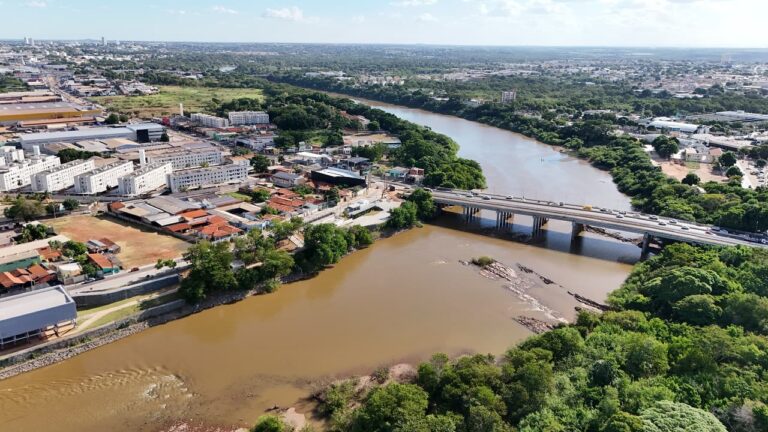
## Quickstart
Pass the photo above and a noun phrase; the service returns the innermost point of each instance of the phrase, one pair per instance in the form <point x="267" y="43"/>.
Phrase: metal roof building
<point x="26" y="315"/>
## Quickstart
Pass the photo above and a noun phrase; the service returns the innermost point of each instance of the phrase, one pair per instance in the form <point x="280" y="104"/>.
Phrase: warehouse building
<point x="188" y="157"/>
<point x="209" y="120"/>
<point x="146" y="179"/>
<point x="237" y="118"/>
<point x="103" y="178"/>
<point x="34" y="313"/>
<point x="61" y="177"/>
<point x="204" y="177"/>
<point x="143" y="132"/>
<point x="12" y="113"/>
<point x="19" y="173"/>
<point x="338" y="176"/>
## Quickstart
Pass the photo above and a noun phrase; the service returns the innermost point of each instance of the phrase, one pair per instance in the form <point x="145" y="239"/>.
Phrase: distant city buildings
<point x="508" y="96"/>
<point x="16" y="170"/>
<point x="184" y="180"/>
<point x="209" y="120"/>
<point x="146" y="179"/>
<point x="237" y="118"/>
<point x="61" y="177"/>
<point x="102" y="179"/>
<point x="191" y="157"/>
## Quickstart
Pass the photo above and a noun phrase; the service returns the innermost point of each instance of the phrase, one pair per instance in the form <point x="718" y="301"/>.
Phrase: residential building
<point x="103" y="178"/>
<point x="146" y="179"/>
<point x="237" y="118"/>
<point x="508" y="96"/>
<point x="287" y="180"/>
<point x="19" y="173"/>
<point x="208" y="176"/>
<point x="182" y="158"/>
<point x="209" y="120"/>
<point x="62" y="176"/>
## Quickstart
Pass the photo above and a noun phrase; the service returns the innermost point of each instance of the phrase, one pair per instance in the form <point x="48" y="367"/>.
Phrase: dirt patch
<point x="138" y="246"/>
<point x="677" y="171"/>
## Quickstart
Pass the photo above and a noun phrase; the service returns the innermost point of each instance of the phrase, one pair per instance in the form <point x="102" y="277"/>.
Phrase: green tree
<point x="260" y="195"/>
<point x="426" y="208"/>
<point x="665" y="146"/>
<point x="71" y="204"/>
<point x="260" y="164"/>
<point x="727" y="159"/>
<point x="332" y="196"/>
<point x="325" y="244"/>
<point x="691" y="179"/>
<point x="666" y="416"/>
<point x="23" y="209"/>
<point x="645" y="356"/>
<point x="269" y="423"/>
<point x="210" y="271"/>
<point x="403" y="217"/>
<point x="164" y="137"/>
<point x="733" y="171"/>
<point x="112" y="118"/>
<point x="388" y="408"/>
<point x="374" y="126"/>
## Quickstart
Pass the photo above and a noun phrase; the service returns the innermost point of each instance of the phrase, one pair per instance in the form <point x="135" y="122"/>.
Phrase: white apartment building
<point x="62" y="176"/>
<point x="508" y="96"/>
<point x="103" y="178"/>
<point x="248" y="117"/>
<point x="145" y="179"/>
<point x="188" y="158"/>
<point x="209" y="120"/>
<point x="204" y="177"/>
<point x="16" y="171"/>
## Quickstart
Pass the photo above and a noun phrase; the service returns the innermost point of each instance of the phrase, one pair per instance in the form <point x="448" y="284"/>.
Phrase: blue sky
<point x="686" y="23"/>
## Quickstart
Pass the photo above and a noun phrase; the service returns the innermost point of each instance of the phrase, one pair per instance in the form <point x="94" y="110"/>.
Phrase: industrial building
<point x="16" y="171"/>
<point x="188" y="156"/>
<point x="61" y="177"/>
<point x="103" y="178"/>
<point x="663" y="123"/>
<point x="12" y="113"/>
<point x="208" y="176"/>
<point x="237" y="118"/>
<point x="338" y="176"/>
<point x="31" y="314"/>
<point x="146" y="179"/>
<point x="209" y="120"/>
<point x="143" y="132"/>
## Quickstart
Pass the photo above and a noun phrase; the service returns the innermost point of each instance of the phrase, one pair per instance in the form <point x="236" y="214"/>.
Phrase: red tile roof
<point x="179" y="227"/>
<point x="194" y="214"/>
<point x="37" y="271"/>
<point x="100" y="260"/>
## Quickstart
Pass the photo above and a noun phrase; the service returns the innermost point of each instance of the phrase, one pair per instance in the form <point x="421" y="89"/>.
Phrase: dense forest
<point x="685" y="349"/>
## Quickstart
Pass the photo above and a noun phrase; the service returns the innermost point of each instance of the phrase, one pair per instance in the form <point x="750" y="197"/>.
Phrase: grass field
<point x="139" y="246"/>
<point x="167" y="100"/>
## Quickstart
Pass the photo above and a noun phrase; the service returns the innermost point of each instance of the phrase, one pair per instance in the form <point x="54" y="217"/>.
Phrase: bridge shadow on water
<point x="555" y="235"/>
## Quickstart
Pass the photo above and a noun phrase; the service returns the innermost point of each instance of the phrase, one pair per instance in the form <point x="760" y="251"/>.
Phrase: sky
<point x="647" y="23"/>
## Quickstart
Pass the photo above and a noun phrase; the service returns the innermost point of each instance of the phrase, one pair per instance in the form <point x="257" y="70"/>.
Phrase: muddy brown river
<point x="401" y="300"/>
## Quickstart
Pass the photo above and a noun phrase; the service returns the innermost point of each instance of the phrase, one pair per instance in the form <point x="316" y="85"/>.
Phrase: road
<point x="124" y="279"/>
<point x="639" y="223"/>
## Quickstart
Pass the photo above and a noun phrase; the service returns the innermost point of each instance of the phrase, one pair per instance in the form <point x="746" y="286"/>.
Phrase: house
<point x="70" y="273"/>
<point x="103" y="263"/>
<point x="397" y="173"/>
<point x="287" y="180"/>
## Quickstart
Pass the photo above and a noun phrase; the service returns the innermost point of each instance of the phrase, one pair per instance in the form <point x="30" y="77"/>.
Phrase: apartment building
<point x="16" y="171"/>
<point x="209" y="120"/>
<point x="146" y="179"/>
<point x="62" y="176"/>
<point x="237" y="118"/>
<point x="182" y="158"/>
<point x="208" y="176"/>
<point x="508" y="96"/>
<point x="103" y="178"/>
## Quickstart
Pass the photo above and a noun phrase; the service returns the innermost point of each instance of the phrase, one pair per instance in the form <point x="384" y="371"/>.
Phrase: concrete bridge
<point x="580" y="216"/>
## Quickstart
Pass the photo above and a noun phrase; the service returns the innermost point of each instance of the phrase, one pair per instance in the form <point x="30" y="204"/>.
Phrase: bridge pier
<point x="502" y="219"/>
<point x="469" y="213"/>
<point x="576" y="229"/>
<point x="644" y="248"/>
<point x="538" y="223"/>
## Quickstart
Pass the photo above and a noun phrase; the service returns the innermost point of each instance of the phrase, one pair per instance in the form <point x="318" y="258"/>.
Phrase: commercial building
<point x="663" y="123"/>
<point x="338" y="176"/>
<point x="145" y="179"/>
<point x="209" y="120"/>
<point x="12" y="113"/>
<point x="62" y="176"/>
<point x="142" y="132"/>
<point x="237" y="118"/>
<point x="19" y="172"/>
<point x="287" y="180"/>
<point x="103" y="178"/>
<point x="209" y="176"/>
<point x="188" y="157"/>
<point x="30" y="314"/>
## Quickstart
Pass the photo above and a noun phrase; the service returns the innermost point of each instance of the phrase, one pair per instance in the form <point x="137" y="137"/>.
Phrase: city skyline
<point x="610" y="23"/>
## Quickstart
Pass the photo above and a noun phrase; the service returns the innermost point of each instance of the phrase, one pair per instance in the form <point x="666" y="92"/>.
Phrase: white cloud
<point x="291" y="13"/>
<point x="177" y="11"/>
<point x="359" y="19"/>
<point x="37" y="4"/>
<point x="427" y="17"/>
<point x="224" y="10"/>
<point x="408" y="3"/>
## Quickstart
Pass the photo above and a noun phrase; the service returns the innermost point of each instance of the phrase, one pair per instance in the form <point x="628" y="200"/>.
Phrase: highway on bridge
<point x="585" y="215"/>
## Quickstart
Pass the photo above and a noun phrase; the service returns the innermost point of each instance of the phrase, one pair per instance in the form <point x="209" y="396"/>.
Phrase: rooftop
<point x="18" y="306"/>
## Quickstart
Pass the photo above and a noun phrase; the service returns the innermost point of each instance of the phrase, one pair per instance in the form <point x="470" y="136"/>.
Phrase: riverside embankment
<point x="398" y="301"/>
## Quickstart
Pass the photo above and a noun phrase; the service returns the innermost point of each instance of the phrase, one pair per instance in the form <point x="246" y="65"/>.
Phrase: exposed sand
<point x="704" y="171"/>
<point x="139" y="246"/>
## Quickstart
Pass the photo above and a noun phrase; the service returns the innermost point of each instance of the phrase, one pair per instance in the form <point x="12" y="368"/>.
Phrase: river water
<point x="399" y="301"/>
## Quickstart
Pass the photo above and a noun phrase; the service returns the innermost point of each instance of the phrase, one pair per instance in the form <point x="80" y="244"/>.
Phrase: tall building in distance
<point x="61" y="177"/>
<point x="101" y="179"/>
<point x="508" y="96"/>
<point x="209" y="120"/>
<point x="103" y="41"/>
<point x="237" y="118"/>
<point x="147" y="178"/>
